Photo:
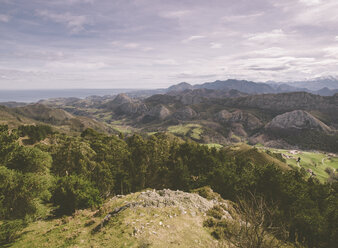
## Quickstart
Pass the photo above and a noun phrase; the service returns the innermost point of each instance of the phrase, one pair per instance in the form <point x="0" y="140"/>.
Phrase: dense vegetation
<point x="66" y="173"/>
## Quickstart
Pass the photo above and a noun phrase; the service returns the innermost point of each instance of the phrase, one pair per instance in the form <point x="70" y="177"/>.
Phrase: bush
<point x="9" y="230"/>
<point x="74" y="192"/>
<point x="207" y="193"/>
<point x="216" y="212"/>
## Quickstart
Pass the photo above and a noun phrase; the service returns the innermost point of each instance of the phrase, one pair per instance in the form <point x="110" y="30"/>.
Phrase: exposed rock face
<point x="287" y="102"/>
<point x="121" y="99"/>
<point x="297" y="119"/>
<point x="247" y="119"/>
<point x="43" y="113"/>
<point x="180" y="87"/>
<point x="223" y="115"/>
<point x="159" y="112"/>
<point x="132" y="108"/>
<point x="185" y="113"/>
<point x="169" y="198"/>
<point x="124" y="105"/>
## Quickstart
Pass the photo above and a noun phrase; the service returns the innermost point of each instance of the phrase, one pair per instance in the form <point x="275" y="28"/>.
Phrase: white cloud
<point x="324" y="13"/>
<point x="131" y="45"/>
<point x="331" y="51"/>
<point x="274" y="35"/>
<point x="237" y="18"/>
<point x="310" y="2"/>
<point x="194" y="37"/>
<point x="175" y="14"/>
<point x="270" y="52"/>
<point x="76" y="65"/>
<point x="214" y="45"/>
<point x="147" y="49"/>
<point x="73" y="22"/>
<point x="336" y="38"/>
<point x="165" y="62"/>
<point x="4" y="18"/>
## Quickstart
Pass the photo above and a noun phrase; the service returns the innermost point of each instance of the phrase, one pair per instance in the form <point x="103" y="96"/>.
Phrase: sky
<point x="158" y="43"/>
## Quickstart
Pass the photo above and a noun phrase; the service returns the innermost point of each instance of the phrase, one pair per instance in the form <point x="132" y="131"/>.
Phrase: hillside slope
<point x="152" y="218"/>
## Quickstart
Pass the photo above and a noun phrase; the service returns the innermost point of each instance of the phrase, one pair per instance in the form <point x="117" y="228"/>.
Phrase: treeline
<point x="307" y="139"/>
<point x="76" y="172"/>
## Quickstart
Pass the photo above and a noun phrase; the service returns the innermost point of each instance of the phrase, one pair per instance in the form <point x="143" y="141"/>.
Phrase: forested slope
<point x="61" y="174"/>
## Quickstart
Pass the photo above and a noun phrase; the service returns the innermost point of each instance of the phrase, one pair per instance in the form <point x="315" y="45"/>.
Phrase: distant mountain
<point x="60" y="119"/>
<point x="324" y="87"/>
<point x="180" y="87"/>
<point x="297" y="119"/>
<point x="230" y="84"/>
<point x="315" y="84"/>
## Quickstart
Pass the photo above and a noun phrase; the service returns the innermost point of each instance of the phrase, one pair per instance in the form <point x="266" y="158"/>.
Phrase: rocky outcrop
<point x="180" y="87"/>
<point x="159" y="112"/>
<point x="185" y="113"/>
<point x="124" y="105"/>
<point x="297" y="119"/>
<point x="121" y="99"/>
<point x="246" y="119"/>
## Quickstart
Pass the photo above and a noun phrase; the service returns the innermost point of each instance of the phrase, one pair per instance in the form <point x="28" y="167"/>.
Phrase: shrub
<point x="74" y="192"/>
<point x="9" y="230"/>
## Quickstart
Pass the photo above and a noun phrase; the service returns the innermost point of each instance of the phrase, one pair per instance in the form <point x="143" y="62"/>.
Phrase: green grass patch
<point x="316" y="161"/>
<point x="193" y="131"/>
<point x="214" y="145"/>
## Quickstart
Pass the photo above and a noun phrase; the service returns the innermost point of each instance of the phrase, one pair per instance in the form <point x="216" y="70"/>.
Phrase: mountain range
<point x="220" y="112"/>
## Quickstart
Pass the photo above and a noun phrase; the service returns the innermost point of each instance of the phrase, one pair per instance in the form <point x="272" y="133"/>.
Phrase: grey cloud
<point x="278" y="68"/>
<point x="74" y="22"/>
<point x="148" y="43"/>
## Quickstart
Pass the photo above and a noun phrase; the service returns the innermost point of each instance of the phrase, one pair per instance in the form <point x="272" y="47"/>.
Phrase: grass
<point x="214" y="145"/>
<point x="316" y="161"/>
<point x="193" y="131"/>
<point x="134" y="227"/>
<point x="122" y="128"/>
<point x="257" y="156"/>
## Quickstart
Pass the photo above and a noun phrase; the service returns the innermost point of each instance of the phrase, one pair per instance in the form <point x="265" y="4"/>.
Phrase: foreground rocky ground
<point x="153" y="218"/>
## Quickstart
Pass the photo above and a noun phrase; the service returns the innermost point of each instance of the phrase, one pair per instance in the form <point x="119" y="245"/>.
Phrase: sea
<point x="28" y="96"/>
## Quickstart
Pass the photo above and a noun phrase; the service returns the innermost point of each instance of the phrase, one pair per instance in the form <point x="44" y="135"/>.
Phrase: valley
<point x="123" y="170"/>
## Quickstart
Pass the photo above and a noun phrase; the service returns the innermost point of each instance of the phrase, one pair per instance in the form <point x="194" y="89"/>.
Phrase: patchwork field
<point x="193" y="131"/>
<point x="313" y="160"/>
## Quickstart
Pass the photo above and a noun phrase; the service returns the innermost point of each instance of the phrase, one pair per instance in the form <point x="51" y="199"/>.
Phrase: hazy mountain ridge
<point x="323" y="87"/>
<point x="210" y="112"/>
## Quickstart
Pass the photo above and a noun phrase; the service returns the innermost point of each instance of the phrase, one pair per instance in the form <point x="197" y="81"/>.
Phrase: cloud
<point x="194" y="37"/>
<point x="175" y="14"/>
<point x="76" y="65"/>
<point x="132" y="45"/>
<point x="241" y="18"/>
<point x="319" y="14"/>
<point x="272" y="36"/>
<point x="331" y="51"/>
<point x="270" y="52"/>
<point x="336" y="38"/>
<point x="75" y="23"/>
<point x="169" y="62"/>
<point x="310" y="2"/>
<point x="4" y="18"/>
<point x="190" y="75"/>
<point x="214" y="45"/>
<point x="276" y="68"/>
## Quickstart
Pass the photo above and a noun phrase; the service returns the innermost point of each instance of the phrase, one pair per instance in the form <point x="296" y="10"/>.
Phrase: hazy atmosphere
<point x="153" y="44"/>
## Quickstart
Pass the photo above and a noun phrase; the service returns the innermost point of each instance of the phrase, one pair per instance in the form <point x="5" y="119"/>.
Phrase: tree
<point x="257" y="228"/>
<point x="74" y="192"/>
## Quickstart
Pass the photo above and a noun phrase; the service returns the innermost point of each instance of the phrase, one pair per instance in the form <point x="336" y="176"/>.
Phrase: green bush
<point x="74" y="192"/>
<point x="9" y="230"/>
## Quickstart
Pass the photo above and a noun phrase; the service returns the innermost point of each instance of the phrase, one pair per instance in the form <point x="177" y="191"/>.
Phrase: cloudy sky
<point x="157" y="43"/>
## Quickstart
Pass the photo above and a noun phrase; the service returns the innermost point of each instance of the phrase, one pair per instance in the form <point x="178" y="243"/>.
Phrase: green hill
<point x="152" y="218"/>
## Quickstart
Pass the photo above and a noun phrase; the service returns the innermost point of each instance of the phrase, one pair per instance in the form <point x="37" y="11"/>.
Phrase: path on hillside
<point x="323" y="160"/>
